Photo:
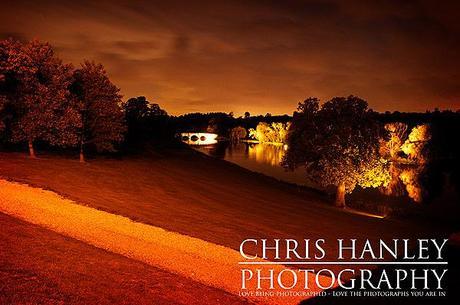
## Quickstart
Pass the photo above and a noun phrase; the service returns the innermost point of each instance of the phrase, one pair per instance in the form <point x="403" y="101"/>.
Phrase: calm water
<point x="261" y="158"/>
<point x="410" y="184"/>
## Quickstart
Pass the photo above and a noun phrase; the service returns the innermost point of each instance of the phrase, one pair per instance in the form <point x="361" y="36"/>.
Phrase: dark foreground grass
<point x="38" y="266"/>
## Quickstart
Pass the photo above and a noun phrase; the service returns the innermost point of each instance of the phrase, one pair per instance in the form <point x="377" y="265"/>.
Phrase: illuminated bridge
<point x="198" y="138"/>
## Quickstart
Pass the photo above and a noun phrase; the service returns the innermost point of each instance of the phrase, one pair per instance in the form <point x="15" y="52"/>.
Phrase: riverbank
<point x="192" y="194"/>
<point x="195" y="195"/>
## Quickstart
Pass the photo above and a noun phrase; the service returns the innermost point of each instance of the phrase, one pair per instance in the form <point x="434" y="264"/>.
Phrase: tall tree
<point x="145" y="120"/>
<point x="338" y="144"/>
<point x="37" y="89"/>
<point x="12" y="65"/>
<point x="137" y="115"/>
<point x="2" y="106"/>
<point x="99" y="103"/>
<point x="237" y="133"/>
<point x="2" y="101"/>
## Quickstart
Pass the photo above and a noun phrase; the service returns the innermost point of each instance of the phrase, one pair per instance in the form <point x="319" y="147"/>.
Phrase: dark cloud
<point x="257" y="56"/>
<point x="13" y="35"/>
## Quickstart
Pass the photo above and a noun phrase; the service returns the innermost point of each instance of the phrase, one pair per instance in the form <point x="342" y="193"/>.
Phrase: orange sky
<point x="257" y="56"/>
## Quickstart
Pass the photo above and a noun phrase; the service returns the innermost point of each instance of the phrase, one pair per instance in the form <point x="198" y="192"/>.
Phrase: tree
<point x="156" y="110"/>
<point x="397" y="133"/>
<point x="275" y="132"/>
<point x="338" y="145"/>
<point x="145" y="120"/>
<point x="137" y="112"/>
<point x="37" y="90"/>
<point x="237" y="133"/>
<point x="99" y="104"/>
<point x="136" y="108"/>
<point x="247" y="115"/>
<point x="416" y="144"/>
<point x="2" y="106"/>
<point x="2" y="97"/>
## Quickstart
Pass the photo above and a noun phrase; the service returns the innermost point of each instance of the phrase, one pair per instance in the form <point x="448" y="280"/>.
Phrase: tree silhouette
<point x="137" y="112"/>
<point x="338" y="144"/>
<point x="237" y="133"/>
<point x="3" y="97"/>
<point x="2" y="106"/>
<point x="145" y="119"/>
<point x="37" y="89"/>
<point x="99" y="104"/>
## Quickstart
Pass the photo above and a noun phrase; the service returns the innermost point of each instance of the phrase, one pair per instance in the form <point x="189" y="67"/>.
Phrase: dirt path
<point x="39" y="266"/>
<point x="205" y="262"/>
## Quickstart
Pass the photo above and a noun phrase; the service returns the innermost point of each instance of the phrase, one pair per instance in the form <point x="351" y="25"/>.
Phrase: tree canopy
<point x="99" y="103"/>
<point x="338" y="144"/>
<point x="36" y="87"/>
<point x="146" y="121"/>
<point x="44" y="100"/>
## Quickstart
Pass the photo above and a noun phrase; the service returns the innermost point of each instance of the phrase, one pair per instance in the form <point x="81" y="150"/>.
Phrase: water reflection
<point x="199" y="138"/>
<point x="405" y="181"/>
<point x="414" y="183"/>
<point x="266" y="153"/>
<point x="261" y="158"/>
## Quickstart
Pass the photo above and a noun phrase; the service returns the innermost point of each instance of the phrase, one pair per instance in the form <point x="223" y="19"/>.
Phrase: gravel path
<point x="205" y="262"/>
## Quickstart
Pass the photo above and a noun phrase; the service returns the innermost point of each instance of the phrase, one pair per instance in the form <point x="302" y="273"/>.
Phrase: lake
<point x="412" y="185"/>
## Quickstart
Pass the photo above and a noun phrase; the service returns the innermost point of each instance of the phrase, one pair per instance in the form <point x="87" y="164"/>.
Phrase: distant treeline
<point x="47" y="103"/>
<point x="444" y="128"/>
<point x="221" y="123"/>
<point x="444" y="125"/>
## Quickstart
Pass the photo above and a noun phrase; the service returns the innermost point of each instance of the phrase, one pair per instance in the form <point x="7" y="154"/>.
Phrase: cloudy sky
<point x="257" y="56"/>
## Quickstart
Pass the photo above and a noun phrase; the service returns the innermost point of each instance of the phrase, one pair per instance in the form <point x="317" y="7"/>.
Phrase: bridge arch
<point x="198" y="138"/>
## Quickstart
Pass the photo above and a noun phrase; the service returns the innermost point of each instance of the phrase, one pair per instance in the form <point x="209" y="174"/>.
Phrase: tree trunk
<point x="82" y="154"/>
<point x="31" y="150"/>
<point x="340" y="195"/>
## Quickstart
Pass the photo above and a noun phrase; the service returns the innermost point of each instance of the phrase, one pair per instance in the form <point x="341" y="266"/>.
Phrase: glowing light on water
<point x="198" y="138"/>
<point x="261" y="154"/>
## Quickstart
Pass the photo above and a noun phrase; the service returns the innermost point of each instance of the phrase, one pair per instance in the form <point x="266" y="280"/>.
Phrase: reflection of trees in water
<point x="421" y="182"/>
<point x="269" y="154"/>
<point x="411" y="178"/>
<point x="217" y="150"/>
<point x="410" y="170"/>
<point x="260" y="153"/>
<point x="405" y="180"/>
<point x="395" y="187"/>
